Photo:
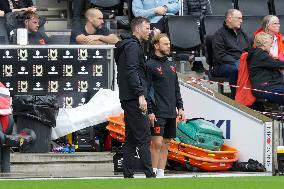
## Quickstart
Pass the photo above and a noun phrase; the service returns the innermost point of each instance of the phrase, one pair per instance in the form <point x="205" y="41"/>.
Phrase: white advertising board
<point x="251" y="136"/>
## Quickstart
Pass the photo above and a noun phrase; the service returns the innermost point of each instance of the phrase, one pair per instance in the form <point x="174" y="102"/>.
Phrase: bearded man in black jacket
<point x="132" y="83"/>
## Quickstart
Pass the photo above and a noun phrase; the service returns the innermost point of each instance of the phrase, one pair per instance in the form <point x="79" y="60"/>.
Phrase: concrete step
<point x="62" y="165"/>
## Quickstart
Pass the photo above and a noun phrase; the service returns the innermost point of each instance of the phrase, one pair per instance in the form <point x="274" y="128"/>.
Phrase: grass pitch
<point x="276" y="182"/>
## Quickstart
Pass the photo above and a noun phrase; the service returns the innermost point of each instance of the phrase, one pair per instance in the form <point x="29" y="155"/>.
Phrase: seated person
<point x="271" y="25"/>
<point x="228" y="43"/>
<point x="196" y="8"/>
<point x="155" y="10"/>
<point x="265" y="71"/>
<point x="93" y="32"/>
<point x="17" y="5"/>
<point x="31" y="23"/>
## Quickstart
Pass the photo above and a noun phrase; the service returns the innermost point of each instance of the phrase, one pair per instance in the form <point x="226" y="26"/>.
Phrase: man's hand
<point x="160" y="10"/>
<point x="156" y="31"/>
<point x="181" y="115"/>
<point x="142" y="104"/>
<point x="152" y="119"/>
<point x="33" y="9"/>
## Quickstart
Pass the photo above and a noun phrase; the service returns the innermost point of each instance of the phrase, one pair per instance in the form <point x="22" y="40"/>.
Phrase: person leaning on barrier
<point x="93" y="32"/>
<point x="132" y="83"/>
<point x="164" y="101"/>
<point x="155" y="11"/>
<point x="31" y="23"/>
<point x="271" y="25"/>
<point x="228" y="43"/>
<point x="265" y="71"/>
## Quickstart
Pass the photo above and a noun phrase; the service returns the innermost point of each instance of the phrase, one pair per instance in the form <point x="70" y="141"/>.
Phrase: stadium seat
<point x="109" y="7"/>
<point x="123" y="22"/>
<point x="184" y="40"/>
<point x="278" y="6"/>
<point x="209" y="60"/>
<point x="251" y="24"/>
<point x="211" y="24"/>
<point x="253" y="7"/>
<point x="219" y="7"/>
<point x="281" y="19"/>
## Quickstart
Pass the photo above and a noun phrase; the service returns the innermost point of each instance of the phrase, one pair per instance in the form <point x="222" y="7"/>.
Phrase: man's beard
<point x="165" y="53"/>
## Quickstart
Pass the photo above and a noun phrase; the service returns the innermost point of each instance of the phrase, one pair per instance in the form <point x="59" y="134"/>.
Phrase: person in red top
<point x="271" y="25"/>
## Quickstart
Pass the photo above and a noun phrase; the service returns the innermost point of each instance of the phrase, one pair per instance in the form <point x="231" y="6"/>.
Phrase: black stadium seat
<point x="219" y="7"/>
<point x="251" y="24"/>
<point x="211" y="25"/>
<point x="253" y="7"/>
<point x="186" y="37"/>
<point x="281" y="19"/>
<point x="279" y="7"/>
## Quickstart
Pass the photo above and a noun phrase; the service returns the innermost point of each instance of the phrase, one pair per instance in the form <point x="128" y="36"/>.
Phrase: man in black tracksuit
<point x="164" y="100"/>
<point x="132" y="83"/>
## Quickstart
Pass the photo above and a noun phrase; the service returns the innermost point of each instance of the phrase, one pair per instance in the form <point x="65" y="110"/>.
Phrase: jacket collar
<point x="231" y="30"/>
<point x="154" y="56"/>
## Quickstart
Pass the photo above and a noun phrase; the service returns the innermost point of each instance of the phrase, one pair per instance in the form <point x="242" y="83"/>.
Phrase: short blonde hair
<point x="261" y="39"/>
<point x="156" y="38"/>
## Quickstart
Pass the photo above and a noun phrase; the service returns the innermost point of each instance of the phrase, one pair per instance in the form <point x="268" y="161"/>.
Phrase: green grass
<point x="170" y="183"/>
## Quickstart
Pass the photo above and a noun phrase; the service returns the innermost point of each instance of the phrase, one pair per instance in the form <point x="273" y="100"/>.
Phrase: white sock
<point x="160" y="173"/>
<point x="155" y="170"/>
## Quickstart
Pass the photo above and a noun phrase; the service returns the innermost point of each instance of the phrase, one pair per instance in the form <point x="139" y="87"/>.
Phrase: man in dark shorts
<point x="93" y="32"/>
<point x="164" y="101"/>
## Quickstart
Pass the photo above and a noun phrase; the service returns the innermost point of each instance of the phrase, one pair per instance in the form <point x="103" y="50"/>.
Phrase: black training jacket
<point x="131" y="68"/>
<point x="163" y="88"/>
<point x="264" y="70"/>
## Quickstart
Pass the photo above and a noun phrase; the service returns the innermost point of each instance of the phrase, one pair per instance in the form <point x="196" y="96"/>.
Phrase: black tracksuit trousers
<point x="137" y="134"/>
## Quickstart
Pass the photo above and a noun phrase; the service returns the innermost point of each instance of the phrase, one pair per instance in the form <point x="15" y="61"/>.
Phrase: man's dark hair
<point x="137" y="21"/>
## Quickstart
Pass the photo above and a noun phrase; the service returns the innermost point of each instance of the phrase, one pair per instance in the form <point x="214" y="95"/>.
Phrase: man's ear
<point x="156" y="45"/>
<point x="26" y="22"/>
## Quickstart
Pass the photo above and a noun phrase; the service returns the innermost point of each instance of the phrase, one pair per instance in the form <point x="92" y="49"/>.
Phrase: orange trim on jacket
<point x="244" y="96"/>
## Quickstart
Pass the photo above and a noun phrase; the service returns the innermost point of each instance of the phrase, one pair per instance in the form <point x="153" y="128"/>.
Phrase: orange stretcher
<point x="116" y="127"/>
<point x="184" y="153"/>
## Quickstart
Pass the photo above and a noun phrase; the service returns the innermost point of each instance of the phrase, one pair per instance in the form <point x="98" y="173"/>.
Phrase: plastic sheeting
<point x="103" y="104"/>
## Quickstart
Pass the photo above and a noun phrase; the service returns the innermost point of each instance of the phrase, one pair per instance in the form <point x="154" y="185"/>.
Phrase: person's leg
<point x="128" y="147"/>
<point x="163" y="157"/>
<point x="229" y="71"/>
<point x="169" y="133"/>
<point x="272" y="97"/>
<point x="140" y="135"/>
<point x="156" y="146"/>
